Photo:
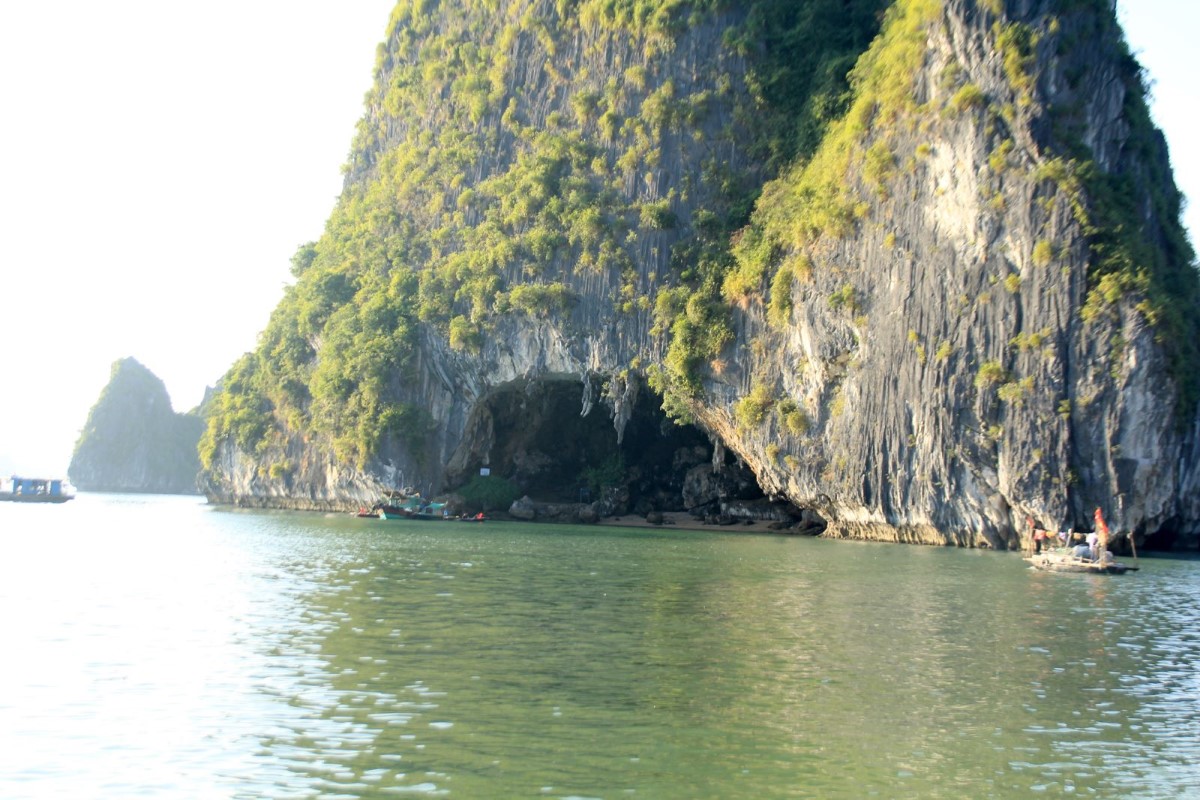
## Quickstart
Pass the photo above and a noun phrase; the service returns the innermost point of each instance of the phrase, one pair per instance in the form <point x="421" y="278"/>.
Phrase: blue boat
<point x="18" y="489"/>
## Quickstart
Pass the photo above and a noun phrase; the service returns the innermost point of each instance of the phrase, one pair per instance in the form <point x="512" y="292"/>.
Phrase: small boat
<point x="414" y="507"/>
<point x="1066" y="559"/>
<point x="1093" y="557"/>
<point x="393" y="512"/>
<point x="36" y="490"/>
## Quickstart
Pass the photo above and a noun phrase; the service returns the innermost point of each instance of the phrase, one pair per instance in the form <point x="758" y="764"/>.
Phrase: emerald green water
<point x="157" y="647"/>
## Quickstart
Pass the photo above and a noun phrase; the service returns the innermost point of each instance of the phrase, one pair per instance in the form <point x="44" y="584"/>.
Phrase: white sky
<point x="160" y="163"/>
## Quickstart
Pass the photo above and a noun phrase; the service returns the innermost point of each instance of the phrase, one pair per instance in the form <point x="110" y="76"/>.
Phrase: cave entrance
<point x="1164" y="539"/>
<point x="531" y="433"/>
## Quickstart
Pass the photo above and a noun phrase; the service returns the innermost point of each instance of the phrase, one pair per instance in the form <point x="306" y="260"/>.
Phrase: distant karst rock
<point x="133" y="441"/>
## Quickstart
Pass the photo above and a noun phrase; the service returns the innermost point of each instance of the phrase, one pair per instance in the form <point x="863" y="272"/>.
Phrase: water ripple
<point x="286" y="655"/>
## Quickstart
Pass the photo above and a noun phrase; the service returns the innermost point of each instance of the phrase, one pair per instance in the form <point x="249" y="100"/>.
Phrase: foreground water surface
<point x="158" y="647"/>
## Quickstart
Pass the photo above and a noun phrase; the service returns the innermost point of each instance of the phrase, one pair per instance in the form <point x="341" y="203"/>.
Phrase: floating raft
<point x="1065" y="560"/>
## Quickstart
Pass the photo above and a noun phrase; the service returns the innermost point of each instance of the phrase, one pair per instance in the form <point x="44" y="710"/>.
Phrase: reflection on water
<point x="160" y="648"/>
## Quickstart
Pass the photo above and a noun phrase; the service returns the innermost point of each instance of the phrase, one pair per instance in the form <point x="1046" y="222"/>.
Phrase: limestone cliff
<point x="929" y="296"/>
<point x="133" y="441"/>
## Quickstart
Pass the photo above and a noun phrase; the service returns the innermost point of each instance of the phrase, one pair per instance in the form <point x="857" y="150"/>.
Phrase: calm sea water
<point x="158" y="647"/>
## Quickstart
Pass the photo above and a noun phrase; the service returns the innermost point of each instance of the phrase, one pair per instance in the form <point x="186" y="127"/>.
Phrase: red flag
<point x="1101" y="531"/>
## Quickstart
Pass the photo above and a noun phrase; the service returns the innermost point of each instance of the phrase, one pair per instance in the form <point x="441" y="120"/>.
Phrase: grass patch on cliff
<point x="793" y="418"/>
<point x="699" y="327"/>
<point x="989" y="374"/>
<point x="779" y="310"/>
<point x="845" y="299"/>
<point x="1017" y="43"/>
<point x="968" y="97"/>
<point x="751" y="411"/>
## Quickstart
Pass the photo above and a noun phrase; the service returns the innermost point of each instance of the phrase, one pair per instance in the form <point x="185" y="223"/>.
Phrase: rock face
<point x="133" y="441"/>
<point x="958" y="360"/>
<point x="969" y="303"/>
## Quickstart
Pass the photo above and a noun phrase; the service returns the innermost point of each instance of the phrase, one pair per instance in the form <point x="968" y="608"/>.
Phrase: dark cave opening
<point x="1164" y="539"/>
<point x="532" y="434"/>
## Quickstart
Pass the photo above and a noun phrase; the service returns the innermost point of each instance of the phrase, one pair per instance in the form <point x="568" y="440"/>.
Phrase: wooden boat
<point x="412" y="508"/>
<point x="1093" y="558"/>
<point x="1065" y="559"/>
<point x="36" y="490"/>
<point x="393" y="512"/>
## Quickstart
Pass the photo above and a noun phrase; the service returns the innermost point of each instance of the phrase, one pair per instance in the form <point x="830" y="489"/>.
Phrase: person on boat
<point x="1036" y="535"/>
<point x="1093" y="545"/>
<point x="1039" y="539"/>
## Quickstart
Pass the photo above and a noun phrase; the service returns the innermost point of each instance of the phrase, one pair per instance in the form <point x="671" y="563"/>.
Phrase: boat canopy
<point x="54" y="487"/>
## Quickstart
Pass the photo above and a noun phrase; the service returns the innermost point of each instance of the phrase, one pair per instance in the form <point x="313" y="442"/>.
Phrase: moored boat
<point x="18" y="489"/>
<point x="1093" y="557"/>
<point x="415" y="507"/>
<point x="392" y="512"/>
<point x="1065" y="559"/>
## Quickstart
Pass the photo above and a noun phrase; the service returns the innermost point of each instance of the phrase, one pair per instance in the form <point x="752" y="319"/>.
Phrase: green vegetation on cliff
<point x="470" y="196"/>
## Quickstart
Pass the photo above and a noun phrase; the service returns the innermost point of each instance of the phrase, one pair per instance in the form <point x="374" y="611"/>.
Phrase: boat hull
<point x="400" y="513"/>
<point x="1054" y="562"/>
<point x="9" y="497"/>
